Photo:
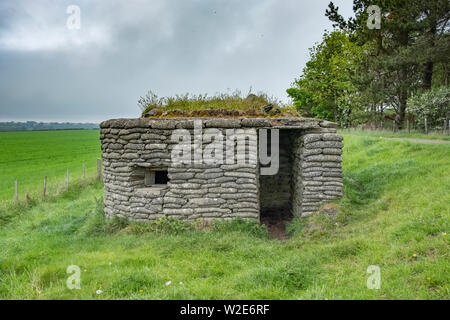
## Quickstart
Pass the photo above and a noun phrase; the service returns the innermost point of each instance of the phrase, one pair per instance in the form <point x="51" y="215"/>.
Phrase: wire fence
<point x="418" y="127"/>
<point x="51" y="187"/>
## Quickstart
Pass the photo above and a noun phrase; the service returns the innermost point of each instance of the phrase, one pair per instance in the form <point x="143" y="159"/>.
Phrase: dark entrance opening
<point x="275" y="191"/>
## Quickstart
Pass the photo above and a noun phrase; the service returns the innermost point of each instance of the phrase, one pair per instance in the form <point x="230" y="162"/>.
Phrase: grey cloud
<point x="167" y="46"/>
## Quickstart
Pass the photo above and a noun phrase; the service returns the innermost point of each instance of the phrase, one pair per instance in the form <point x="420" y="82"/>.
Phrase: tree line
<point x="40" y="126"/>
<point x="391" y="58"/>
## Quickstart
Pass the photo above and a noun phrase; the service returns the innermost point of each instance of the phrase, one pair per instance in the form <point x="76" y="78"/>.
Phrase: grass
<point x="400" y="134"/>
<point x="220" y="105"/>
<point x="29" y="156"/>
<point x="395" y="215"/>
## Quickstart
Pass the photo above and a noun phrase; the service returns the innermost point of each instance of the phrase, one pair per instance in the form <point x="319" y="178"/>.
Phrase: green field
<point x="399" y="134"/>
<point x="29" y="156"/>
<point x="395" y="214"/>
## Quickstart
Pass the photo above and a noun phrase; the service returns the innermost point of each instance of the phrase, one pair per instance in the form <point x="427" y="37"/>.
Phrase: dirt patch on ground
<point x="277" y="229"/>
<point x="276" y="225"/>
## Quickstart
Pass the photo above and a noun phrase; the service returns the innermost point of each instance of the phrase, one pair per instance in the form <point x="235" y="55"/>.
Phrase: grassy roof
<point x="219" y="105"/>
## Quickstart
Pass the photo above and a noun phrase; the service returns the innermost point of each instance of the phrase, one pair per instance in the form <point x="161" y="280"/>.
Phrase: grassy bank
<point x="395" y="215"/>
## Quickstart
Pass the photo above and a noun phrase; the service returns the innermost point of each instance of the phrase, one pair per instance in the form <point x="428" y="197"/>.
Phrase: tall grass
<point x="188" y="104"/>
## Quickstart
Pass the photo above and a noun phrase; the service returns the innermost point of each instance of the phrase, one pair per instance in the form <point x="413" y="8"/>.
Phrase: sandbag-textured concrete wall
<point x="317" y="171"/>
<point x="194" y="191"/>
<point x="310" y="168"/>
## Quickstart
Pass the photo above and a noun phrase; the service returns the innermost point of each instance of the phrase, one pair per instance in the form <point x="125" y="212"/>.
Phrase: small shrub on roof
<point x="219" y="105"/>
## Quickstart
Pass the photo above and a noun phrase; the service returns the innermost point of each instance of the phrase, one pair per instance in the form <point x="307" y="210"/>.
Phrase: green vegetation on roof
<point x="219" y="105"/>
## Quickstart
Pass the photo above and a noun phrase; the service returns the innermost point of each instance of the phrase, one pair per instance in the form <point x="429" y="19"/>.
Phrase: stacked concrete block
<point x="194" y="191"/>
<point x="318" y="171"/>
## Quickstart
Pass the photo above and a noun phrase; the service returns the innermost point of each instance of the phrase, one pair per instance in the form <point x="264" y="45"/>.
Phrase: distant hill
<point x="39" y="126"/>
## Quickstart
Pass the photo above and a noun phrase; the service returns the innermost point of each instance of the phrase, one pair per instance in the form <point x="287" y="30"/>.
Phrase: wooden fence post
<point x="45" y="185"/>
<point x="393" y="125"/>
<point x="426" y="126"/>
<point x="67" y="180"/>
<point x="99" y="169"/>
<point x="407" y="124"/>
<point x="16" y="194"/>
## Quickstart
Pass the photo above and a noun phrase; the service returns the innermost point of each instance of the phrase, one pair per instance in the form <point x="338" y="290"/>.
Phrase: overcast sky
<point x="125" y="48"/>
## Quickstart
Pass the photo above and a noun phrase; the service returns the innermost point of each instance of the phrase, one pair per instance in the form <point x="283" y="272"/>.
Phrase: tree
<point x="325" y="88"/>
<point x="434" y="105"/>
<point x="432" y="45"/>
<point x="403" y="49"/>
